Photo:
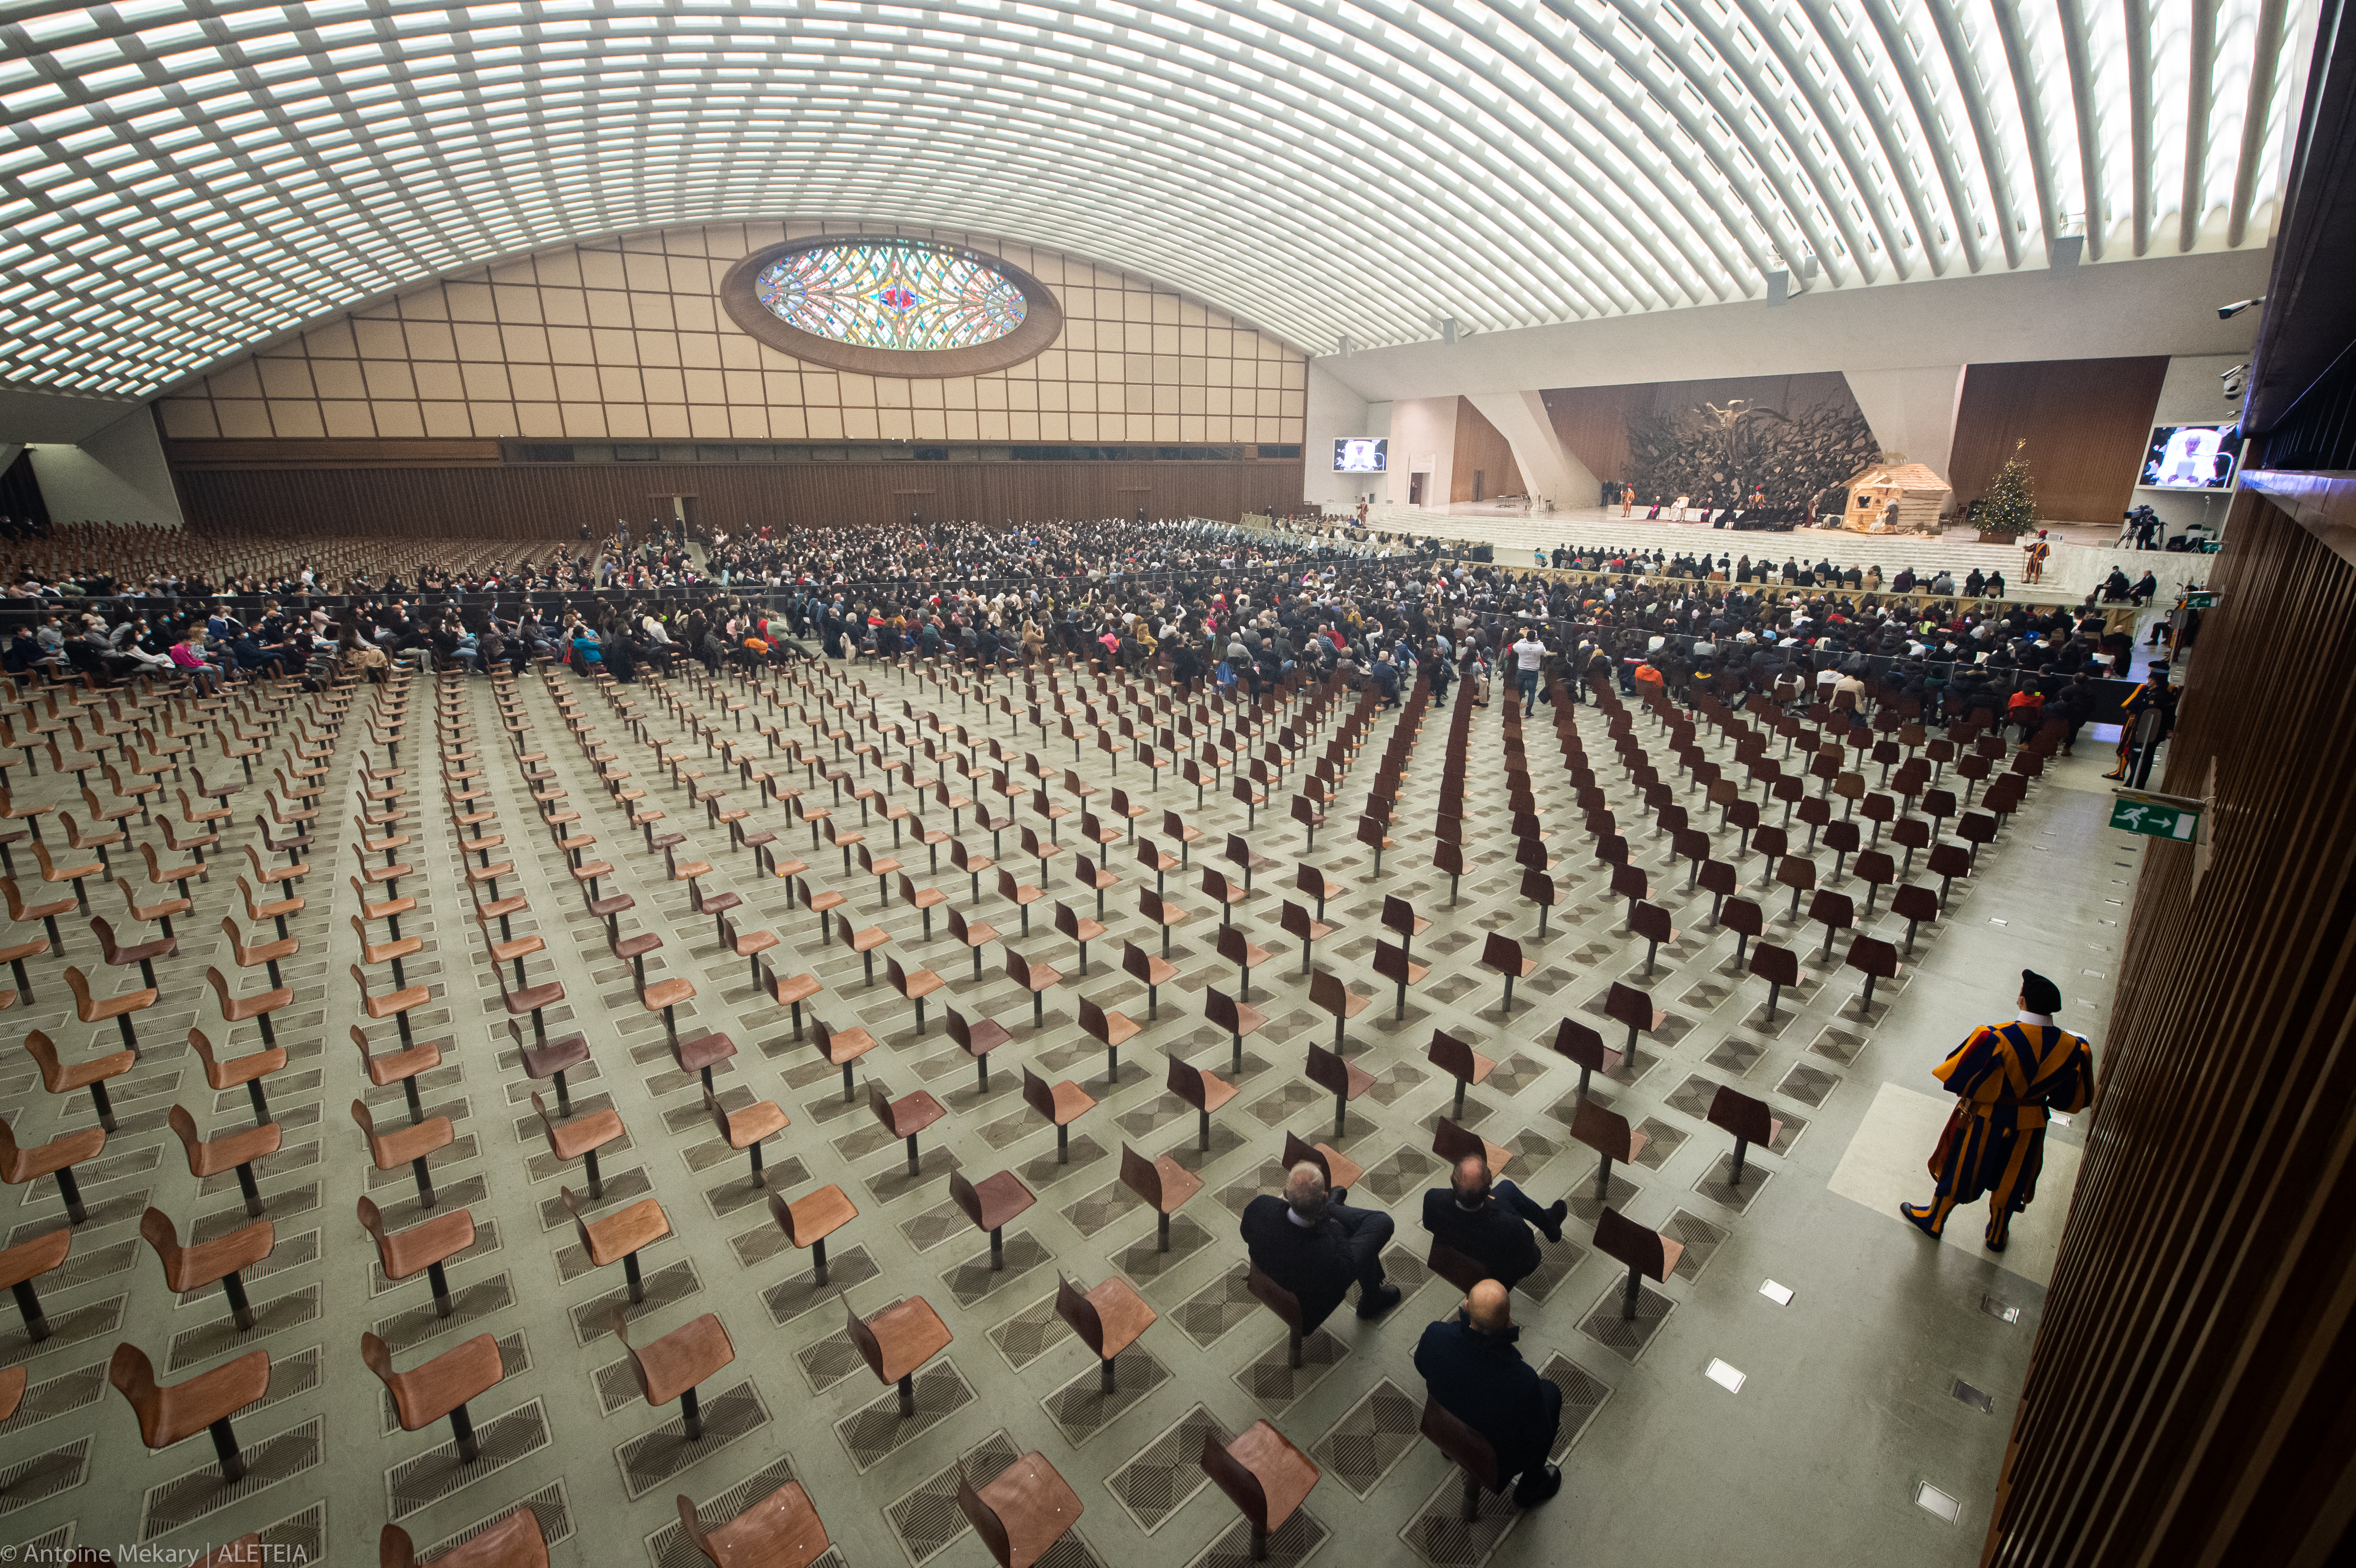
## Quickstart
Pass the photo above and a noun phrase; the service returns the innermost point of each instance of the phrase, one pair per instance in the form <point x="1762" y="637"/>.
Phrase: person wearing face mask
<point x="2006" y="1080"/>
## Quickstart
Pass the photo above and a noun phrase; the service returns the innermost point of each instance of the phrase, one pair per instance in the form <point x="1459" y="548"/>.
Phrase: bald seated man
<point x="1312" y="1244"/>
<point x="1491" y="1223"/>
<point x="1470" y="1365"/>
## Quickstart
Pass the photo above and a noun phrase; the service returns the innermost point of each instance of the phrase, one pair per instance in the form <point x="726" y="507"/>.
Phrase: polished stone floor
<point x="1892" y="1369"/>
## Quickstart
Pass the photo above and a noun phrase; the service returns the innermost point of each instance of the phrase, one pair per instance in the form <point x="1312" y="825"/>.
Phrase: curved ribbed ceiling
<point x="186" y="181"/>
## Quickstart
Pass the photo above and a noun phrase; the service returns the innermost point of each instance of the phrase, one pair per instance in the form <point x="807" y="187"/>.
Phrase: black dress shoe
<point x="1538" y="1485"/>
<point x="1554" y="1217"/>
<point x="1379" y="1301"/>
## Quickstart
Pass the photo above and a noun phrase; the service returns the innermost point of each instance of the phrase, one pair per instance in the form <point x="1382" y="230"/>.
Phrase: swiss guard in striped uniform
<point x="2005" y="1078"/>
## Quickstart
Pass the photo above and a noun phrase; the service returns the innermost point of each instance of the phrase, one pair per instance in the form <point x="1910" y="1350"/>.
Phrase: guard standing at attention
<point x="2005" y="1078"/>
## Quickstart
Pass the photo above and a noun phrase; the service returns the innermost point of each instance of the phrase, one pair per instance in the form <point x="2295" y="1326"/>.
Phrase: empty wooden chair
<point x="1244" y="954"/>
<point x="669" y="1367"/>
<point x="897" y="1342"/>
<point x="808" y="1221"/>
<point x="1062" y="1104"/>
<point x="1326" y="991"/>
<point x="20" y="1164"/>
<point x="1459" y="1061"/>
<point x="744" y="1128"/>
<point x="1651" y="921"/>
<point x="1079" y="928"/>
<point x="62" y="1078"/>
<point x="515" y="1542"/>
<point x="1036" y="979"/>
<point x="1779" y="966"/>
<point x="220" y="1261"/>
<point x="914" y="987"/>
<point x="990" y="1206"/>
<point x="1626" y="1005"/>
<point x="1206" y="1090"/>
<point x="402" y="1067"/>
<point x="395" y="1005"/>
<point x="25" y="1262"/>
<point x="1149" y="971"/>
<point x="92" y="1009"/>
<point x="438" y="1388"/>
<point x="231" y="1151"/>
<point x="1750" y="1121"/>
<point x="977" y="1038"/>
<point x="1647" y="1254"/>
<point x="1263" y="1474"/>
<point x="905" y="1118"/>
<point x="580" y="1137"/>
<point x="408" y="1146"/>
<point x="1108" y="1320"/>
<point x="1344" y="1080"/>
<point x="1298" y="923"/>
<point x="1022" y="895"/>
<point x="1158" y="910"/>
<point x="427" y="1245"/>
<point x="1110" y="1029"/>
<point x="840" y="1048"/>
<point x="1502" y="954"/>
<point x="1024" y="1510"/>
<point x="975" y="935"/>
<point x="1610" y="1136"/>
<point x="141" y="955"/>
<point x="1164" y="1183"/>
<point x="1239" y="1018"/>
<point x="203" y="1403"/>
<point x="622" y="1234"/>
<point x="781" y="1531"/>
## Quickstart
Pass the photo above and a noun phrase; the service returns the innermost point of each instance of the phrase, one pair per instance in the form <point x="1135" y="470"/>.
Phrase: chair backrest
<point x="1912" y="901"/>
<point x="1274" y="1297"/>
<point x="1743" y="1116"/>
<point x="1093" y="1023"/>
<point x="1150" y="906"/>
<point x="1398" y="915"/>
<point x="899" y="977"/>
<point x="871" y="1349"/>
<point x="1792" y="871"/>
<point x="1777" y="966"/>
<point x="1294" y="921"/>
<point x="958" y="927"/>
<point x="962" y="1194"/>
<point x="1638" y="1246"/>
<point x="1450" y="1055"/>
<point x="1467" y="1447"/>
<point x="1833" y="908"/>
<point x="1038" y="1094"/>
<point x="1580" y="1043"/>
<point x="1138" y="964"/>
<point x="1077" y="1310"/>
<point x="1141" y="1175"/>
<point x="1606" y="1132"/>
<point x="1502" y="953"/>
<point x="1626" y="1005"/>
<point x="1872" y="955"/>
<point x="1328" y="1070"/>
<point x="1326" y="991"/>
<point x="1390" y="962"/>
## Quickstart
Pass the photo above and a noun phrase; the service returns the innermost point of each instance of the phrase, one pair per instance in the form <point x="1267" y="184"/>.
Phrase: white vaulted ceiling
<point x="185" y="179"/>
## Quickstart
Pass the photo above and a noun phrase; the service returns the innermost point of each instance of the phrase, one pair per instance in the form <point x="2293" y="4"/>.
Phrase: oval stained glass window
<point x="892" y="294"/>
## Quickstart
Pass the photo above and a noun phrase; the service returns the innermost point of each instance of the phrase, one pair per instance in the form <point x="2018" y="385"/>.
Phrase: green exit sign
<point x="2201" y="602"/>
<point x="2155" y="818"/>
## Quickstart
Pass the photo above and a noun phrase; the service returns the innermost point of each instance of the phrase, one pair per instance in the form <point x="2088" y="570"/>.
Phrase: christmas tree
<point x="2009" y="508"/>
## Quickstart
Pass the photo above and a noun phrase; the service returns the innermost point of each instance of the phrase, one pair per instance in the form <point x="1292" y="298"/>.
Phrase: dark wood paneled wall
<point x="1481" y="445"/>
<point x="2188" y="1401"/>
<point x="552" y="501"/>
<point x="2086" y="421"/>
<point x="1592" y="421"/>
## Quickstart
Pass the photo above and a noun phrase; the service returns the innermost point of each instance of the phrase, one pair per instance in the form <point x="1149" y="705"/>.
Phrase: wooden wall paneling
<point x="552" y="501"/>
<point x="2086" y="421"/>
<point x="1482" y="447"/>
<point x="2187" y="1400"/>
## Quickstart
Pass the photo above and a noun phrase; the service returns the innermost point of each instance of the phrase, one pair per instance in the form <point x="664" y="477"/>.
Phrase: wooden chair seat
<point x="900" y="1339"/>
<point x="515" y="1542"/>
<point x="841" y="1045"/>
<point x="405" y="1253"/>
<point x="92" y="1009"/>
<point x="814" y="1216"/>
<point x="168" y="1415"/>
<point x="377" y="1007"/>
<point x="1108" y="1318"/>
<point x="19" y="1163"/>
<point x="64" y="1078"/>
<point x="909" y="1115"/>
<point x="227" y="1152"/>
<point x="746" y="1126"/>
<point x="571" y="1140"/>
<point x="1161" y="1181"/>
<point x="1262" y="1473"/>
<point x="392" y="1151"/>
<point x="386" y="1068"/>
<point x="426" y="1393"/>
<point x="993" y="1202"/>
<point x="28" y="1260"/>
<point x="664" y="994"/>
<point x="1062" y="1104"/>
<point x="620" y="1233"/>
<point x="668" y="1366"/>
<point x="781" y="1531"/>
<point x="1022" y="1512"/>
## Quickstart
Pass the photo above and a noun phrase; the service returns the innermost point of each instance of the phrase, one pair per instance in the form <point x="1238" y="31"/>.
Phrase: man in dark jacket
<point x="1471" y="1367"/>
<point x="1313" y="1246"/>
<point x="1490" y="1225"/>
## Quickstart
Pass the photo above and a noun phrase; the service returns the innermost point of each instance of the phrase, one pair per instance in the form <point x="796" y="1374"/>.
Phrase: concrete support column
<point x="1549" y="471"/>
<point x="1911" y="410"/>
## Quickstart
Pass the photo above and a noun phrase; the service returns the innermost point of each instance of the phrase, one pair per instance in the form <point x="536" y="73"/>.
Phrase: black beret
<point x="2040" y="994"/>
